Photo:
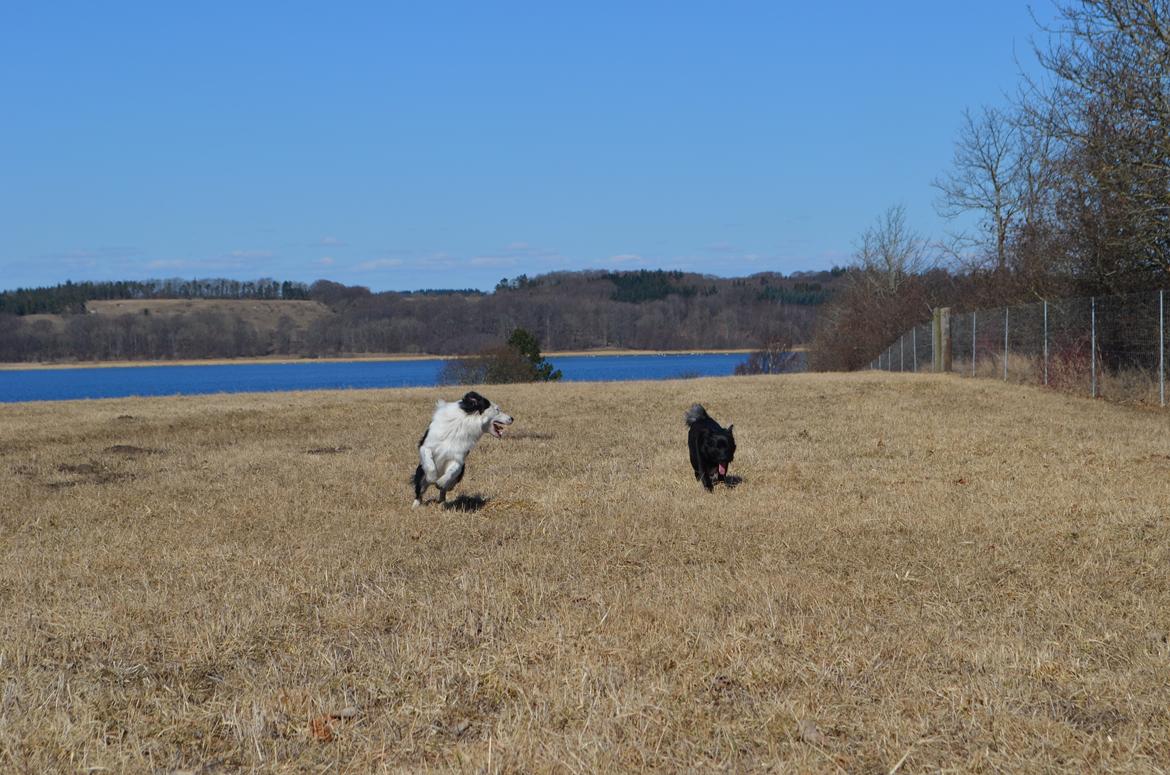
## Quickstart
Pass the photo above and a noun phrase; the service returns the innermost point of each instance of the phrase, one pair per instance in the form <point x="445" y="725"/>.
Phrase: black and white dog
<point x="712" y="446"/>
<point x="454" y="429"/>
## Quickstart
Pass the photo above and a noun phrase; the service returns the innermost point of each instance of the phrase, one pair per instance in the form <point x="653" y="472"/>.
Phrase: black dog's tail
<point x="696" y="413"/>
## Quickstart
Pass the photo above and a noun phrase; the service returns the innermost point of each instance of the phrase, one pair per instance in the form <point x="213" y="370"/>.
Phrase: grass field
<point x="916" y="574"/>
<point x="262" y="313"/>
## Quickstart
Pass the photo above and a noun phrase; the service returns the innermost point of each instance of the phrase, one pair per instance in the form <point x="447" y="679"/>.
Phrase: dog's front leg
<point x="427" y="460"/>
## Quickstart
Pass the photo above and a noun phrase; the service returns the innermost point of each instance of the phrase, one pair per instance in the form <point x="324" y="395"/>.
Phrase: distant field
<point x="263" y="314"/>
<point x="916" y="574"/>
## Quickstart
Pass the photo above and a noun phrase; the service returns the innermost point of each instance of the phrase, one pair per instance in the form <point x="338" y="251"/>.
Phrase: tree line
<point x="565" y="310"/>
<point x="574" y="310"/>
<point x="1068" y="185"/>
<point x="70" y="297"/>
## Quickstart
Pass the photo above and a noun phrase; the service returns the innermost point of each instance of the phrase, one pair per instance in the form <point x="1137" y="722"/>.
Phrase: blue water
<point x="115" y="382"/>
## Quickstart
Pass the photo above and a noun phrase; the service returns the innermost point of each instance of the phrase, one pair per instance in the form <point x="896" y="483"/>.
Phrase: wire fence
<point x="1111" y="347"/>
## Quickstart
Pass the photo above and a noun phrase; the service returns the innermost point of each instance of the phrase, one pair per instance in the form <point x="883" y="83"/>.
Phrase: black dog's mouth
<point x="719" y="471"/>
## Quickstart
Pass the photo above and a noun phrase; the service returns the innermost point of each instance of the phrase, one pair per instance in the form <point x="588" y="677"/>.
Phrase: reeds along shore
<point x="916" y="573"/>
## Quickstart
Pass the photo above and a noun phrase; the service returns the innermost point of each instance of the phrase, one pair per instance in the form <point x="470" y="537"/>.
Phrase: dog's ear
<point x="731" y="429"/>
<point x="474" y="403"/>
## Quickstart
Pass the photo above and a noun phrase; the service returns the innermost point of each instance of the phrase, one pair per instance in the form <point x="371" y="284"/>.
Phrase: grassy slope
<point x="264" y="314"/>
<point x="935" y="572"/>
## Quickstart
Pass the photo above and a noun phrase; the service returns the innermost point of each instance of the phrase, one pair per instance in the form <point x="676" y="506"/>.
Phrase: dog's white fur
<point x="450" y="437"/>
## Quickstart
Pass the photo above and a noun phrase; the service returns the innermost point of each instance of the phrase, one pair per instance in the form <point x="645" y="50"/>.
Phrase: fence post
<point x="1162" y="347"/>
<point x="902" y="353"/>
<point x="973" y="320"/>
<point x="1046" y="341"/>
<point x="914" y="347"/>
<point x="1093" y="341"/>
<point x="1005" y="343"/>
<point x="935" y="336"/>
<point x="945" y="342"/>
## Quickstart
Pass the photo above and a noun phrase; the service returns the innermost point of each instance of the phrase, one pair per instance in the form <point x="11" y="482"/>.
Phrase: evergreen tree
<point x="528" y="346"/>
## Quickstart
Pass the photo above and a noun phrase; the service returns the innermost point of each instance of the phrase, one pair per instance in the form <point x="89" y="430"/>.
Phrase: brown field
<point x="917" y="574"/>
<point x="262" y="313"/>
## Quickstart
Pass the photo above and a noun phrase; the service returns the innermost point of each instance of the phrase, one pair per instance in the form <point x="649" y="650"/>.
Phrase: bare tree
<point x="986" y="176"/>
<point x="1004" y="171"/>
<point x="889" y="252"/>
<point x="1110" y="112"/>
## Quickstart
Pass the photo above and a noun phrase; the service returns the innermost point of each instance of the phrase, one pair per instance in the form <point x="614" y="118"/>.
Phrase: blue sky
<point x="412" y="145"/>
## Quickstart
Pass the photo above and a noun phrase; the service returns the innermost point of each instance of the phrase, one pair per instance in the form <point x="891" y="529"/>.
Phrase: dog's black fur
<point x="472" y="403"/>
<point x="711" y="445"/>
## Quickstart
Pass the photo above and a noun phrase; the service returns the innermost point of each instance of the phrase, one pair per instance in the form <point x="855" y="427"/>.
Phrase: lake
<point x="119" y="381"/>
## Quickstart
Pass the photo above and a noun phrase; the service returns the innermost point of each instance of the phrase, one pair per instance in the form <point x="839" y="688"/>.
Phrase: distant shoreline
<point x="389" y="357"/>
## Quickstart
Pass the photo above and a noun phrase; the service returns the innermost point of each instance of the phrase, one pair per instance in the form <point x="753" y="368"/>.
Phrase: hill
<point x="265" y="315"/>
<point x="916" y="574"/>
<point x="644" y="310"/>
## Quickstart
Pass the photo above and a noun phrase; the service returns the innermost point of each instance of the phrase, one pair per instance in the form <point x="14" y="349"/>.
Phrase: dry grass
<point x="1131" y="386"/>
<point x="917" y="573"/>
<point x="262" y="313"/>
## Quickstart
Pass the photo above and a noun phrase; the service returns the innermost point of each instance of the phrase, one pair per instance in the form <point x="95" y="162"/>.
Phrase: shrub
<point x="519" y="360"/>
<point x="776" y="357"/>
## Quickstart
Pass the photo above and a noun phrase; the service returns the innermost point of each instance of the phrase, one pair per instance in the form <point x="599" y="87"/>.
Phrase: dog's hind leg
<point x="419" y="485"/>
<point x="449" y="479"/>
<point x="451" y="476"/>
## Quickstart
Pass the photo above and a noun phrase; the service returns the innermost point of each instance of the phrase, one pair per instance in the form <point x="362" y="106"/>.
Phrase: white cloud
<point x="627" y="258"/>
<point x="331" y="242"/>
<point x="326" y="261"/>
<point x="236" y="260"/>
<point x="379" y="263"/>
<point x="94" y="258"/>
<point x="492" y="261"/>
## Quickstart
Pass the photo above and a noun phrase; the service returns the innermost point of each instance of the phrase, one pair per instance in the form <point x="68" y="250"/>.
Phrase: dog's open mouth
<point x="722" y="469"/>
<point x="498" y="429"/>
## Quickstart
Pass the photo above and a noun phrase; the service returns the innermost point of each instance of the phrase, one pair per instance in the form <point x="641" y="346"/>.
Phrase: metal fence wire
<point x="1110" y="347"/>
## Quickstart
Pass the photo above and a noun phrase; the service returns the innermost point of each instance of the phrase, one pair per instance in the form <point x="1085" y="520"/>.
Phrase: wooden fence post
<point x="941" y="339"/>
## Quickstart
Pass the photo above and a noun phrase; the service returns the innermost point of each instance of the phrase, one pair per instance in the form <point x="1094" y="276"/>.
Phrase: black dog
<point x="712" y="446"/>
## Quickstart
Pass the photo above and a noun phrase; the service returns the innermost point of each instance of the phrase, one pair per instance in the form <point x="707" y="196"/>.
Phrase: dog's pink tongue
<point x="722" y="470"/>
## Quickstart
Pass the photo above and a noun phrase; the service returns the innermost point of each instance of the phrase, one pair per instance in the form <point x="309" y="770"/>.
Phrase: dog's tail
<point x="696" y="413"/>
